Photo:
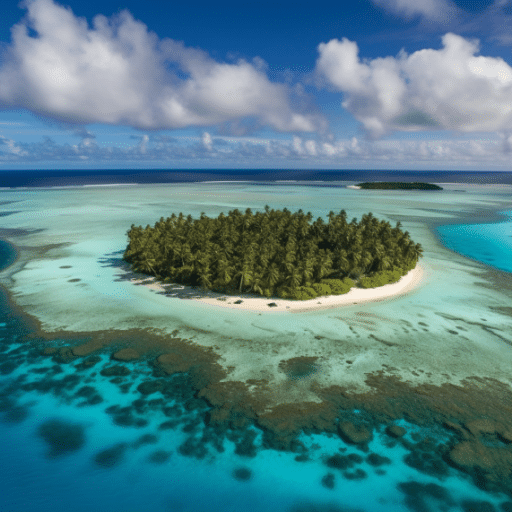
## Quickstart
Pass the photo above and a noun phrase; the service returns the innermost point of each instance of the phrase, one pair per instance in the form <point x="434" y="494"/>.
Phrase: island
<point x="397" y="185"/>
<point x="273" y="253"/>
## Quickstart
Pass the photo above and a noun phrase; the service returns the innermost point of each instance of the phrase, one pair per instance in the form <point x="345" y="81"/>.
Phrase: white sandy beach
<point x="261" y="304"/>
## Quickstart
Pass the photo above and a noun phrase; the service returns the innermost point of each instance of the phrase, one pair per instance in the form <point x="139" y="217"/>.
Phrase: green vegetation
<point x="399" y="185"/>
<point x="275" y="252"/>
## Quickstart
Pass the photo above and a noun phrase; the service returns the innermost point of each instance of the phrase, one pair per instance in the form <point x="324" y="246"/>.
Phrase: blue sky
<point x="388" y="84"/>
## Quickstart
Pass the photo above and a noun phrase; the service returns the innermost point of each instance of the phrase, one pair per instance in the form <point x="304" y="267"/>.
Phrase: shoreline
<point x="406" y="284"/>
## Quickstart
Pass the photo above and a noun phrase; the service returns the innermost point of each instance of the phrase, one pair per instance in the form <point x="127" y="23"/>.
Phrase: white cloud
<point x="438" y="10"/>
<point x="12" y="148"/>
<point x="452" y="88"/>
<point x="297" y="145"/>
<point x="116" y="72"/>
<point x="310" y="146"/>
<point x="206" y="139"/>
<point x="143" y="144"/>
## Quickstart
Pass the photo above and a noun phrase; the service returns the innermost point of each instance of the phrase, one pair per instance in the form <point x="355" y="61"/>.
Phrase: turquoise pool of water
<point x="488" y="243"/>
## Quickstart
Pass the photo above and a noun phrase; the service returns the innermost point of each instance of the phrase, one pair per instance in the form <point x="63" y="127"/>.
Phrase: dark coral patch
<point x="145" y="439"/>
<point x="242" y="474"/>
<point x="195" y="404"/>
<point x="90" y="395"/>
<point x="111" y="456"/>
<point x="173" y="411"/>
<point x="419" y="497"/>
<point x="328" y="481"/>
<point x="244" y="442"/>
<point x="8" y="367"/>
<point x="299" y="367"/>
<point x="88" y="362"/>
<point x="159" y="457"/>
<point x="85" y="391"/>
<point x="488" y="465"/>
<point x="395" y="431"/>
<point x="126" y="354"/>
<point x="115" y="371"/>
<point x="430" y="463"/>
<point x="284" y="422"/>
<point x="374" y="459"/>
<point x="125" y="417"/>
<point x="149" y="387"/>
<point x="62" y="437"/>
<point x="90" y="346"/>
<point x="64" y="355"/>
<point x="477" y="506"/>
<point x="173" y="363"/>
<point x="16" y="414"/>
<point x="214" y="437"/>
<point x="192" y="426"/>
<point x="354" y="434"/>
<point x="169" y="425"/>
<point x="340" y="462"/>
<point x="193" y="448"/>
<point x="358" y="474"/>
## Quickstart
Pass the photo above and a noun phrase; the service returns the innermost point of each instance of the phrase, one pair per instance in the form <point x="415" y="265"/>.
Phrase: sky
<point x="366" y="84"/>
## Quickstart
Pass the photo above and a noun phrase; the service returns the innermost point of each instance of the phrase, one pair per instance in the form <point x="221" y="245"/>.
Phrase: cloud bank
<point x="117" y="72"/>
<point x="214" y="151"/>
<point x="452" y="88"/>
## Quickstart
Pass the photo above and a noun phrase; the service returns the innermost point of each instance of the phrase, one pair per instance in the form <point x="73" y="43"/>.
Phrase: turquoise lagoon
<point x="74" y="439"/>
<point x="490" y="243"/>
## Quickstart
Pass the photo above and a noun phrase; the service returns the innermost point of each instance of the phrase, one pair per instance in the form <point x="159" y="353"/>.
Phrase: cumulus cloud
<point x="117" y="72"/>
<point x="438" y="10"/>
<point x="451" y="88"/>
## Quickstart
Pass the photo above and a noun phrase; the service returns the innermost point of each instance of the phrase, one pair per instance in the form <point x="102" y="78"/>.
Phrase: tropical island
<point x="273" y="253"/>
<point x="397" y="185"/>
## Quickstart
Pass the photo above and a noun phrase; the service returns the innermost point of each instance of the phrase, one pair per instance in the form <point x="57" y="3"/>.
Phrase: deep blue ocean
<point x="63" y="178"/>
<point x="61" y="452"/>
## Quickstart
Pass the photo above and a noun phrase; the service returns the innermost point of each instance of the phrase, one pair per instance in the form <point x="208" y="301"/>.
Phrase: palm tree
<point x="294" y="278"/>
<point x="204" y="275"/>
<point x="258" y="285"/>
<point x="273" y="275"/>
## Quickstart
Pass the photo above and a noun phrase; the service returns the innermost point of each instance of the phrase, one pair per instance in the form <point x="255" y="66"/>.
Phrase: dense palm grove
<point x="398" y="185"/>
<point x="273" y="253"/>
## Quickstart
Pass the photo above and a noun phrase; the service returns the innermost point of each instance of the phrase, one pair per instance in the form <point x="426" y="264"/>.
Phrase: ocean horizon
<point x="75" y="177"/>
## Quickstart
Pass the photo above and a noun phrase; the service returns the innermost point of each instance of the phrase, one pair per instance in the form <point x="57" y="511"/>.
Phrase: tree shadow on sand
<point x="175" y="290"/>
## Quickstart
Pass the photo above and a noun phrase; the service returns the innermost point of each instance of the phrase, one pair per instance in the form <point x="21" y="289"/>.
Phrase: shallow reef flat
<point x="437" y="358"/>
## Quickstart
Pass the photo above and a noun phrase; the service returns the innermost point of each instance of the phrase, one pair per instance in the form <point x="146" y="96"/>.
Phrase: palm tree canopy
<point x="271" y="251"/>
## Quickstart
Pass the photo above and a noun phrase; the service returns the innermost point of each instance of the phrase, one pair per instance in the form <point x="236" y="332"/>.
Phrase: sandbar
<point x="247" y="302"/>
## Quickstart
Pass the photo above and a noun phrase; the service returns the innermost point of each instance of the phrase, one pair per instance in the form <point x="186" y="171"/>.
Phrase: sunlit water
<point x="79" y="286"/>
<point x="488" y="243"/>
